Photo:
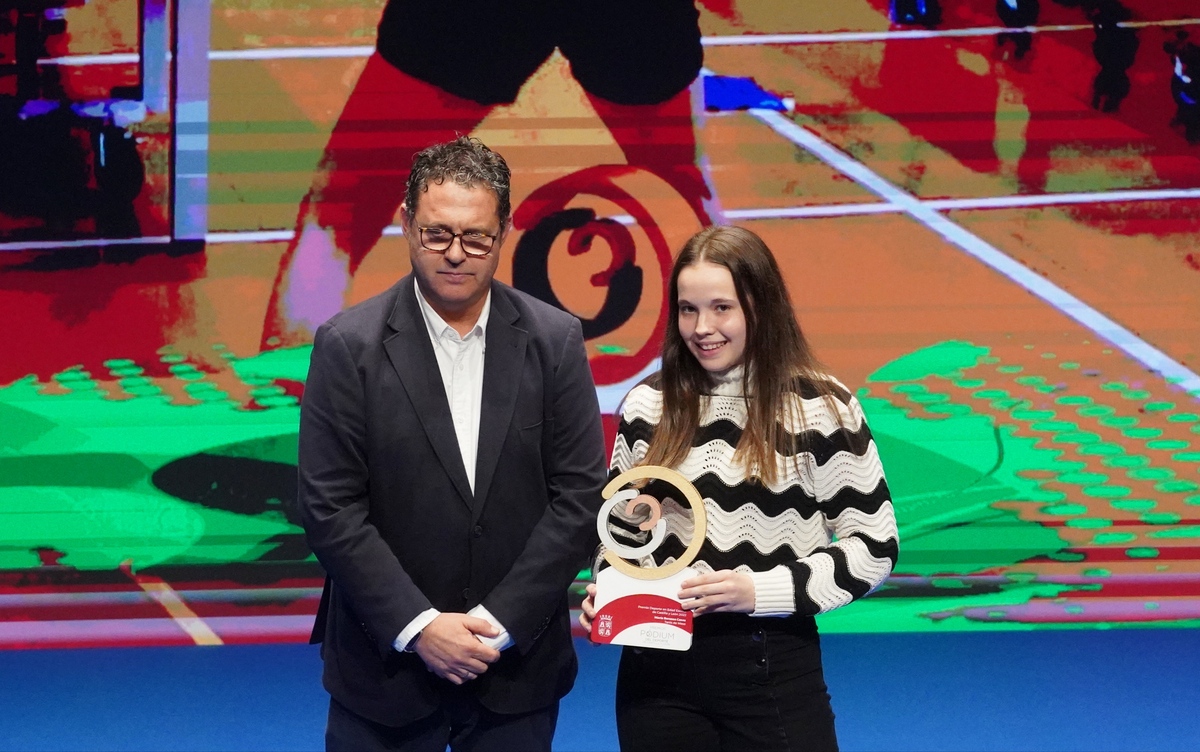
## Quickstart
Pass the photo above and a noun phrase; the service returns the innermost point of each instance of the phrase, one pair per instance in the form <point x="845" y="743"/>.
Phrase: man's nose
<point x="455" y="253"/>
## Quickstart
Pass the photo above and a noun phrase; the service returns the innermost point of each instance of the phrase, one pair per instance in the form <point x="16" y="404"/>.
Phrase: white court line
<point x="249" y="236"/>
<point x="53" y="245"/>
<point x="782" y="212"/>
<point x="269" y="236"/>
<point x="959" y="204"/>
<point x="1138" y="349"/>
<point x="818" y="211"/>
<point x="1054" y="199"/>
<point x="273" y="236"/>
<point x="744" y="40"/>
<point x="810" y="212"/>
<point x="291" y="53"/>
<point x="887" y="35"/>
<point x="111" y="58"/>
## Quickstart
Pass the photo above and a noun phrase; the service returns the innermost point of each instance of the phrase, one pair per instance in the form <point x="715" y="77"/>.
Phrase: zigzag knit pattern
<point x="826" y="524"/>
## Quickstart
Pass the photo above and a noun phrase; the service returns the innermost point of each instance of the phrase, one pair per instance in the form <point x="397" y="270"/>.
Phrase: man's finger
<point x="482" y="653"/>
<point x="481" y="627"/>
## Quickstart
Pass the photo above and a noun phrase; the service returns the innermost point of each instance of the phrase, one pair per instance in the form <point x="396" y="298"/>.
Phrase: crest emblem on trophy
<point x="637" y="605"/>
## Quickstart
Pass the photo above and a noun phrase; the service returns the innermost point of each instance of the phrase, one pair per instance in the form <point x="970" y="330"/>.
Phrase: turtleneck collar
<point x="728" y="383"/>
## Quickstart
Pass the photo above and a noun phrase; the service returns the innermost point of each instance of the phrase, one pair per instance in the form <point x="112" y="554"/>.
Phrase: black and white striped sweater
<point x="822" y="535"/>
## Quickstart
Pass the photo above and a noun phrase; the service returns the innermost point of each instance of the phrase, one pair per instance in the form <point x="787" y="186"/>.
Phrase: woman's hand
<point x="725" y="591"/>
<point x="589" y="609"/>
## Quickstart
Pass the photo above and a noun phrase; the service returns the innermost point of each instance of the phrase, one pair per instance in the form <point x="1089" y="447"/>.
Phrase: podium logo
<point x="651" y="636"/>
<point x="604" y="625"/>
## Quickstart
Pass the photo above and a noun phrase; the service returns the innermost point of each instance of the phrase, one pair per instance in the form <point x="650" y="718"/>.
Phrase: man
<point x="451" y="462"/>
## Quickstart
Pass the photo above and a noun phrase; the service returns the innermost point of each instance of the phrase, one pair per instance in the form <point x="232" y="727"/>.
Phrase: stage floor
<point x="1094" y="691"/>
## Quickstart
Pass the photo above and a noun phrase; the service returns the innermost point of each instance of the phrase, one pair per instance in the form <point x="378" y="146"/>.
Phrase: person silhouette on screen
<point x="800" y="518"/>
<point x="1018" y="15"/>
<point x="438" y="70"/>
<point x="1185" y="84"/>
<point x="1115" y="48"/>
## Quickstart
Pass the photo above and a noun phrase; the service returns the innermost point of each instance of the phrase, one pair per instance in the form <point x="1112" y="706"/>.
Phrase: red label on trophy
<point x="626" y="614"/>
<point x="638" y="605"/>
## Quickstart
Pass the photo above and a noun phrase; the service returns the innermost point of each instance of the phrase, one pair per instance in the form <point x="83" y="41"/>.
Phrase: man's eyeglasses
<point x="474" y="244"/>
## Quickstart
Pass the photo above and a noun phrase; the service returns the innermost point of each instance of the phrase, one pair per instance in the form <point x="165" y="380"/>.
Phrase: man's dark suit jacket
<point x="390" y="515"/>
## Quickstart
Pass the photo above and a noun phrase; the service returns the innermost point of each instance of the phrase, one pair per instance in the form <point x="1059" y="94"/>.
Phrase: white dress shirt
<point x="460" y="361"/>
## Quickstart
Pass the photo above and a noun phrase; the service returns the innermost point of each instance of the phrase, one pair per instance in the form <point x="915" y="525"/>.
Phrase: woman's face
<point x="711" y="320"/>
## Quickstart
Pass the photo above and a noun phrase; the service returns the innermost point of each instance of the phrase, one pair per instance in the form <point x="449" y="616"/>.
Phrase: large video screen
<point x="986" y="213"/>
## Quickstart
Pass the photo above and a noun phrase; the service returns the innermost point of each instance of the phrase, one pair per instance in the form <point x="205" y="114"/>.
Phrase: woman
<point x="800" y="520"/>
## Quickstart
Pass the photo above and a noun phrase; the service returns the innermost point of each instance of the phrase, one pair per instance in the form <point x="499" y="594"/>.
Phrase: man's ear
<point x="404" y="217"/>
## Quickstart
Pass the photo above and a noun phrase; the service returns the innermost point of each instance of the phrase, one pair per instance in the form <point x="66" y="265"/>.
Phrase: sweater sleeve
<point x="852" y="496"/>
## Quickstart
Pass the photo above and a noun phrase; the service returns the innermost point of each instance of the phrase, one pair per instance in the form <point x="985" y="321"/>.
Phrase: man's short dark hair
<point x="468" y="163"/>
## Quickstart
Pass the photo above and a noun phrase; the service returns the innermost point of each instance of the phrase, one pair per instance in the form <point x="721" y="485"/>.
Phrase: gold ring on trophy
<point x="699" y="527"/>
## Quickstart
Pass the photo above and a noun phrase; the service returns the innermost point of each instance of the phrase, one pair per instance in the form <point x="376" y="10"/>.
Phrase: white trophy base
<point x="641" y="613"/>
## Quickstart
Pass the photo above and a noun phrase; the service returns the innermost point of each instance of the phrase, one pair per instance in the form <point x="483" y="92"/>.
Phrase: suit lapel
<point x="411" y="354"/>
<point x="502" y="366"/>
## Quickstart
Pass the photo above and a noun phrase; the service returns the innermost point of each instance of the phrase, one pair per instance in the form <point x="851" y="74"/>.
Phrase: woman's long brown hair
<point x="777" y="360"/>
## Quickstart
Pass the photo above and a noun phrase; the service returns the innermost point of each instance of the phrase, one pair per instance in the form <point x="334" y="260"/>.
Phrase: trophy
<point x="637" y="606"/>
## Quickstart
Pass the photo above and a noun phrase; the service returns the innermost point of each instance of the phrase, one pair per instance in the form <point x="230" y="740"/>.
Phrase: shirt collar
<point x="437" y="326"/>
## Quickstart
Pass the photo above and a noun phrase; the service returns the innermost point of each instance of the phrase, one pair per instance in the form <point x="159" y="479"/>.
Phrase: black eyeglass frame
<point x="456" y="236"/>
